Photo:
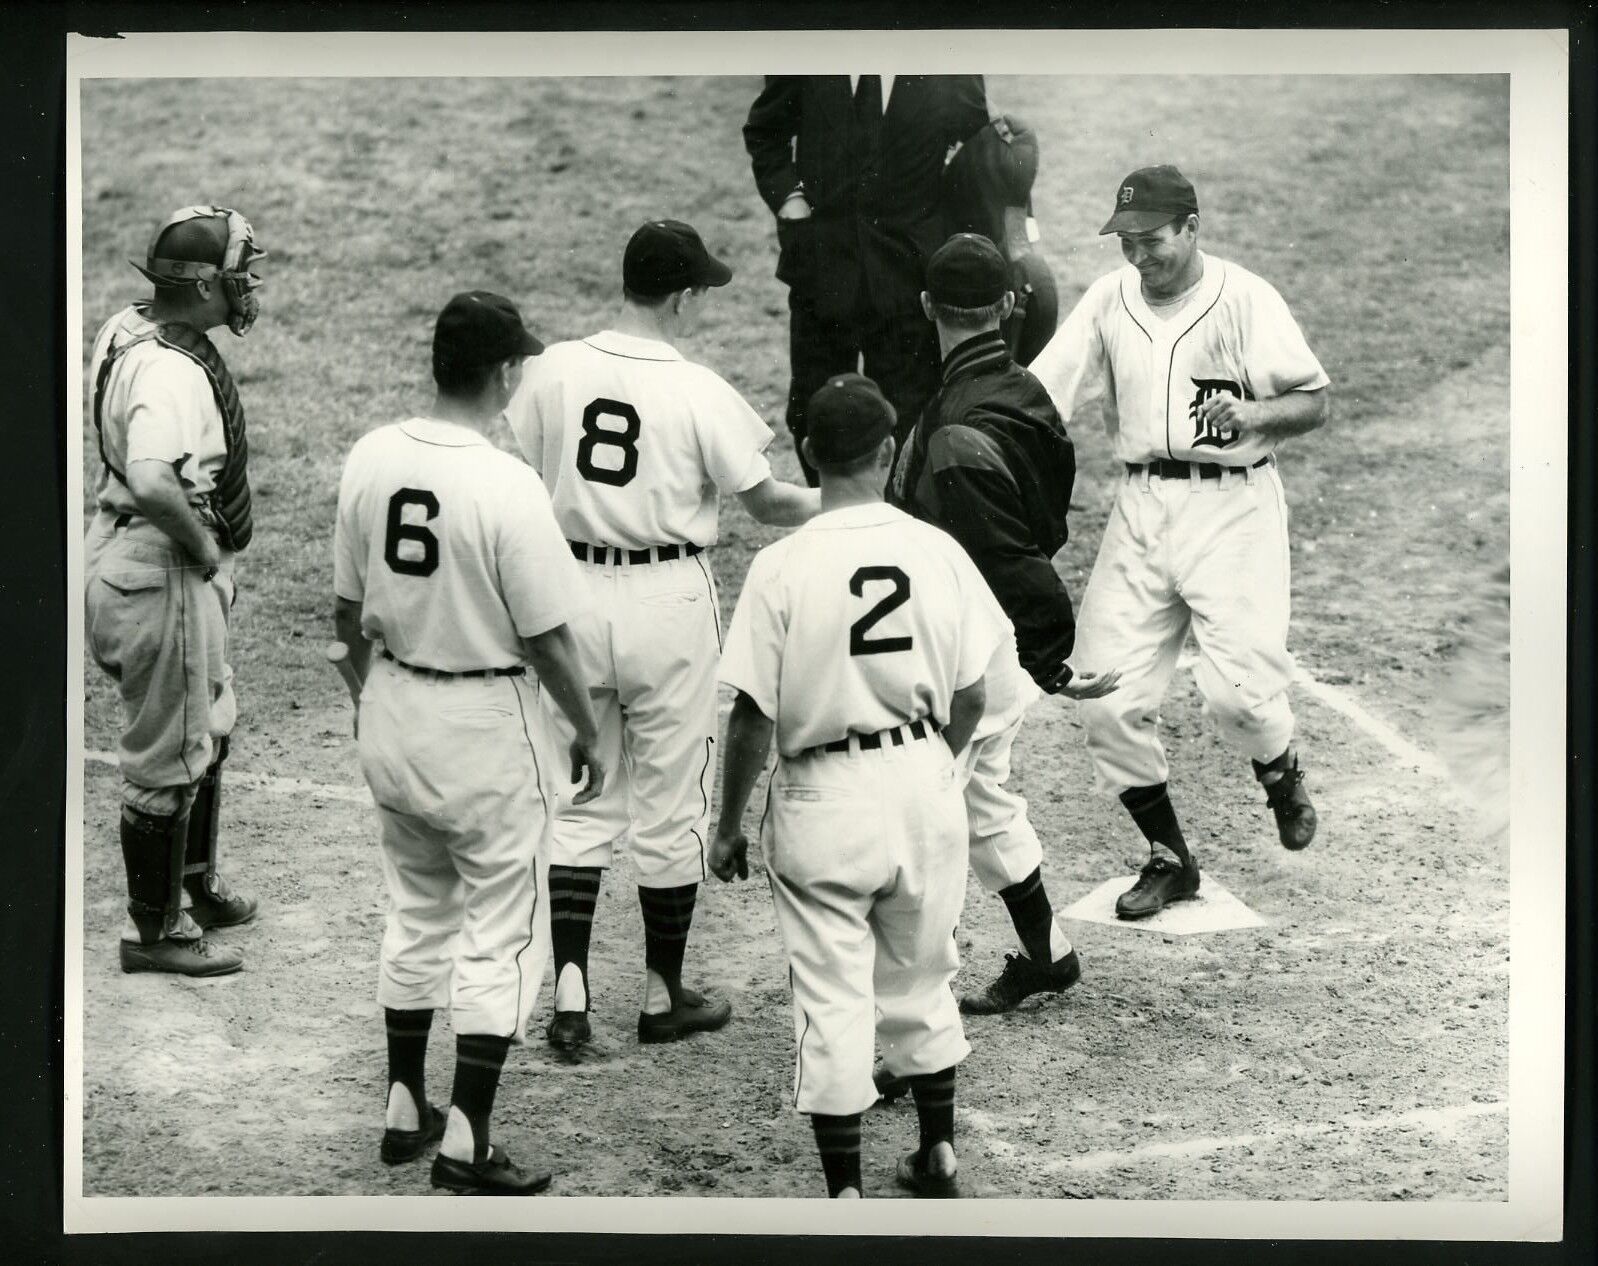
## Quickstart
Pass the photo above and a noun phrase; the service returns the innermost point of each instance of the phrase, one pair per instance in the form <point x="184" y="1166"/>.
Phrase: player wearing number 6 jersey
<point x="636" y="444"/>
<point x="862" y="641"/>
<point x="447" y="554"/>
<point x="1203" y="371"/>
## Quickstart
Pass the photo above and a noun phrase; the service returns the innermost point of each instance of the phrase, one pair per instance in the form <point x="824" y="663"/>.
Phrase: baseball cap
<point x="967" y="271"/>
<point x="667" y="255"/>
<point x="846" y="418"/>
<point x="478" y="327"/>
<point x="1150" y="197"/>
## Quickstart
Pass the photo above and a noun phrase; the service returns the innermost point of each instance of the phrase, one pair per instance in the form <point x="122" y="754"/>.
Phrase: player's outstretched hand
<point x="1090" y="685"/>
<point x="583" y="758"/>
<point x="729" y="856"/>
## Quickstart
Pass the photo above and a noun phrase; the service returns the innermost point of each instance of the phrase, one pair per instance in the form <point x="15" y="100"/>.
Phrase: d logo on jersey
<point x="1203" y="433"/>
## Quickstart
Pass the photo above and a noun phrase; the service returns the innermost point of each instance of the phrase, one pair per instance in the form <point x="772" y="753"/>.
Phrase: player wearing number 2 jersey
<point x="1203" y="371"/>
<point x="862" y="641"/>
<point x="447" y="554"/>
<point x="636" y="444"/>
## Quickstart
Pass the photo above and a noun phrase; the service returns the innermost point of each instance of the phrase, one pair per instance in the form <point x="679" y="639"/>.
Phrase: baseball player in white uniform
<point x="864" y="831"/>
<point x="173" y="511"/>
<point x="1202" y="372"/>
<point x="446" y="553"/>
<point x="636" y="444"/>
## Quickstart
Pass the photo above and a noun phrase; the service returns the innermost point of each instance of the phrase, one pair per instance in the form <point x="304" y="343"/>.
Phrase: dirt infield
<point x="1355" y="1047"/>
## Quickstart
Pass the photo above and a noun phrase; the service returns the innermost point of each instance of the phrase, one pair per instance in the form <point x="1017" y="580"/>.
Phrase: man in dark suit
<point x="852" y="167"/>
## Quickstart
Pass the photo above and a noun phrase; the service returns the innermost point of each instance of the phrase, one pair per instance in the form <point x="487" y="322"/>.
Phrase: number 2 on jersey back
<point x="859" y="643"/>
<point x="596" y="436"/>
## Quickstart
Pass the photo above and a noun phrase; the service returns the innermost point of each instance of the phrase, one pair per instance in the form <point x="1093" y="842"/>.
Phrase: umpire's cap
<point x="847" y="417"/>
<point x="668" y="255"/>
<point x="478" y="327"/>
<point x="967" y="271"/>
<point x="1150" y="197"/>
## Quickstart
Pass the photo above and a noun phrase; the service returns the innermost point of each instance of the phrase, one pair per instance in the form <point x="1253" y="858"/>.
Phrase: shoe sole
<point x="473" y="1189"/>
<point x="1299" y="848"/>
<point x="137" y="968"/>
<point x="1144" y="914"/>
<point x="656" y="1037"/>
<point x="976" y="1006"/>
<point x="401" y="1153"/>
<point x="224" y="923"/>
<point x="929" y="1188"/>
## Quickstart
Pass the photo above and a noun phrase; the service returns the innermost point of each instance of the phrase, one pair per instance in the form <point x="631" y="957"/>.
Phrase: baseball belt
<point x="444" y="674"/>
<point x="896" y="737"/>
<point x="616" y="554"/>
<point x="1184" y="470"/>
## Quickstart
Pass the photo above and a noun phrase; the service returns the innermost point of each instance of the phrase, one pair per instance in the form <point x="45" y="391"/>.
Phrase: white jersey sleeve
<point x="1276" y="357"/>
<point x="1073" y="366"/>
<point x="732" y="437"/>
<point x="538" y="577"/>
<point x="751" y="657"/>
<point x="349" y="536"/>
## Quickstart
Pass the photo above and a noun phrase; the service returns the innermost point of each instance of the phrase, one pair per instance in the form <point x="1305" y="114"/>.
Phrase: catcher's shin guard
<point x="152" y="854"/>
<point x="199" y="857"/>
<point x="214" y="904"/>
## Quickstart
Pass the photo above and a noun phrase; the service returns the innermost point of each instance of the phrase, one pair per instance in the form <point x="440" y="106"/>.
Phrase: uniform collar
<point x="868" y="514"/>
<point x="444" y="434"/>
<point x="632" y="347"/>
<point x="1198" y="302"/>
<point x="987" y="350"/>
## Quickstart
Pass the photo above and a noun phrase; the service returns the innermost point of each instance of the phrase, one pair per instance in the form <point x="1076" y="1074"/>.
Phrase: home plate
<point x="1213" y="910"/>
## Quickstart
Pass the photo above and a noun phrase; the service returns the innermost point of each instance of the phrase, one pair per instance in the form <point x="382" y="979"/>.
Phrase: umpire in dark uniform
<point x="852" y="167"/>
<point x="989" y="462"/>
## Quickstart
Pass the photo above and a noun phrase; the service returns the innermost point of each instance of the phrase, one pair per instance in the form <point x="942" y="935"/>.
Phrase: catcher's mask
<point x="232" y="271"/>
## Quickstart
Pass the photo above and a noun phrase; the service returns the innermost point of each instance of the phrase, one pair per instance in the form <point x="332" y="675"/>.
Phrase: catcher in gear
<point x="173" y="511"/>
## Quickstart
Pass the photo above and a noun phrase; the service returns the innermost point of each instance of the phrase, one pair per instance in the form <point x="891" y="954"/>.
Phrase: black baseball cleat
<point x="569" y="1031"/>
<point x="497" y="1175"/>
<point x="914" y="1175"/>
<point x="1020" y="979"/>
<point x="217" y="906"/>
<point x="181" y="951"/>
<point x="691" y="1013"/>
<point x="1162" y="881"/>
<point x="399" y="1146"/>
<point x="890" y="1087"/>
<point x="1290" y="803"/>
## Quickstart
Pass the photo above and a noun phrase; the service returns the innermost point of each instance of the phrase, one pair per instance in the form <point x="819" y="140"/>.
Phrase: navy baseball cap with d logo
<point x="1150" y="197"/>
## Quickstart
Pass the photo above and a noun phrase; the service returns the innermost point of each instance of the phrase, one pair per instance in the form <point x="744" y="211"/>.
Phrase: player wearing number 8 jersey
<point x="1203" y="371"/>
<point x="636" y="444"/>
<point x="447" y="554"/>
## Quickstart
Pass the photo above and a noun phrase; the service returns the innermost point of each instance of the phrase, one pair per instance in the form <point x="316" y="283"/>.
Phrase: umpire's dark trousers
<point x="898" y="352"/>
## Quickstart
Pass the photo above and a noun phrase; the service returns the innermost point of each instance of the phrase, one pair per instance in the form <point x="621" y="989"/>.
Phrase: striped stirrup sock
<point x="573" y="894"/>
<point x="479" y="1057"/>
<point x="668" y="914"/>
<point x="1032" y="915"/>
<point x="407" y="1052"/>
<point x="838" y="1140"/>
<point x="934" y="1096"/>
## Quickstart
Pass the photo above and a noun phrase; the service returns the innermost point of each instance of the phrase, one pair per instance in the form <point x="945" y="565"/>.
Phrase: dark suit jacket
<point x="874" y="188"/>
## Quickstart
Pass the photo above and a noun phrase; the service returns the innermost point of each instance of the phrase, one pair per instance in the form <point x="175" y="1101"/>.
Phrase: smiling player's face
<point x="1165" y="257"/>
